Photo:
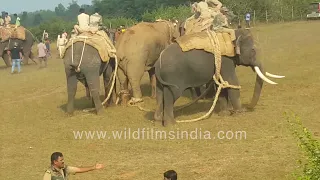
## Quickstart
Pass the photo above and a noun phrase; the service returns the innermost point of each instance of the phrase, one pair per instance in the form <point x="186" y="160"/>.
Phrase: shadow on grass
<point x="199" y="107"/>
<point x="4" y="67"/>
<point x="79" y="104"/>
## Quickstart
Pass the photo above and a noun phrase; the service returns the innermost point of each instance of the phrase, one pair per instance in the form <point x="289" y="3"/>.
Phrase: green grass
<point x="32" y="115"/>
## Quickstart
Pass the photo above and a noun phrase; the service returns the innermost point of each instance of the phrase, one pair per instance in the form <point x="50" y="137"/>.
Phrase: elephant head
<point x="247" y="57"/>
<point x="5" y="45"/>
<point x="25" y="44"/>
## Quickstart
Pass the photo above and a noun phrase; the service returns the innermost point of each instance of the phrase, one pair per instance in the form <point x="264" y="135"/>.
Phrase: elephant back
<point x="12" y="32"/>
<point x="99" y="41"/>
<point x="201" y="40"/>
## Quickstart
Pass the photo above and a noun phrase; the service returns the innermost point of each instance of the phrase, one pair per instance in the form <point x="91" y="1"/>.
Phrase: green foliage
<point x="129" y="12"/>
<point x="310" y="146"/>
<point x="116" y="22"/>
<point x="179" y="13"/>
<point x="54" y="27"/>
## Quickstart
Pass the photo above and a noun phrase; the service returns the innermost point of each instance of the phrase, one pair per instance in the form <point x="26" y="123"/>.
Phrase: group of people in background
<point x="5" y="20"/>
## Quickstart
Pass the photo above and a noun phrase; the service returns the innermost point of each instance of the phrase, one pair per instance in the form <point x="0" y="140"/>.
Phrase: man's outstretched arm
<point x="84" y="169"/>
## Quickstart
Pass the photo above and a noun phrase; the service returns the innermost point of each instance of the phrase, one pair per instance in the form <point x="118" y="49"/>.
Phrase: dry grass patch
<point x="32" y="115"/>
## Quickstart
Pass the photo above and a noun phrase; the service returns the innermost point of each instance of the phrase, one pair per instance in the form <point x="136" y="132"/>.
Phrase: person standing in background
<point x="42" y="55"/>
<point x="16" y="55"/>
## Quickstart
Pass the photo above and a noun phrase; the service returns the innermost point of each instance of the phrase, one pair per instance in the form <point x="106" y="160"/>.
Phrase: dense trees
<point x="128" y="12"/>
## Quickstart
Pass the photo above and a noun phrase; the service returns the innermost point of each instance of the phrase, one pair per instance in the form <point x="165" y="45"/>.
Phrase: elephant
<point x="176" y="71"/>
<point x="25" y="44"/>
<point x="138" y="48"/>
<point x="91" y="68"/>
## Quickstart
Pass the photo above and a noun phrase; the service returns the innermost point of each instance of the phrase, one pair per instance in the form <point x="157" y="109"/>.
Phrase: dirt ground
<point x="34" y="123"/>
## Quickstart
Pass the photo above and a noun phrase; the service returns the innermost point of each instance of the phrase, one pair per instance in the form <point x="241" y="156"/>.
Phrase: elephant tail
<point x="158" y="73"/>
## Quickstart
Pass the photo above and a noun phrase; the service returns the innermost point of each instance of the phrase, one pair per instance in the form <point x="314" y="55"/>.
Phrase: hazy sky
<point x="18" y="6"/>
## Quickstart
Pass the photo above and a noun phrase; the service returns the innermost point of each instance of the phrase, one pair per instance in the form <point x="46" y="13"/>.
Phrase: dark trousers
<point x="43" y="59"/>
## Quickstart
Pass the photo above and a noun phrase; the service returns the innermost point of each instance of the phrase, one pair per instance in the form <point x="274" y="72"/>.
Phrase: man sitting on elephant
<point x="204" y="14"/>
<point x="83" y="22"/>
<point x="220" y="24"/>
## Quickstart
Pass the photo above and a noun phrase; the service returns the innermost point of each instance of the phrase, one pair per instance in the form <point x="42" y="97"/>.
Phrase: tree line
<point x="129" y="12"/>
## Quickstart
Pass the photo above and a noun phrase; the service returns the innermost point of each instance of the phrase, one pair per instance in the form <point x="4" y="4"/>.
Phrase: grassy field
<point x="34" y="123"/>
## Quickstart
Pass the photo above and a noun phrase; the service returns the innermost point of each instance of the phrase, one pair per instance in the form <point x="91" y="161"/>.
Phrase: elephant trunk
<point x="256" y="92"/>
<point x="261" y="76"/>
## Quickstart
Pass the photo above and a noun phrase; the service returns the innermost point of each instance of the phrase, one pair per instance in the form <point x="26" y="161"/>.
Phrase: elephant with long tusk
<point x="177" y="70"/>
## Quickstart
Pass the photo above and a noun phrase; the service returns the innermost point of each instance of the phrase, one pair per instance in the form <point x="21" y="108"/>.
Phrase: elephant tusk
<point x="257" y="69"/>
<point x="274" y="76"/>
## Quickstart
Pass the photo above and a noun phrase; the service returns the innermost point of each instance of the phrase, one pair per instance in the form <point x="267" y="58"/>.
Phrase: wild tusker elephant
<point x="25" y="44"/>
<point x="177" y="70"/>
<point x="91" y="67"/>
<point x="138" y="48"/>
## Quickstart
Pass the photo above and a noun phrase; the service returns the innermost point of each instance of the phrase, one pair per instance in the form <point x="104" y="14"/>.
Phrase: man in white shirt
<point x="61" y="43"/>
<point x="95" y="20"/>
<point x="83" y="22"/>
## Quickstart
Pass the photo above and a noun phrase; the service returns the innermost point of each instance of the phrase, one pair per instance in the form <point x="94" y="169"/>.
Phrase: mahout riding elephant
<point x="138" y="48"/>
<point x="91" y="68"/>
<point x="25" y="44"/>
<point x="177" y="70"/>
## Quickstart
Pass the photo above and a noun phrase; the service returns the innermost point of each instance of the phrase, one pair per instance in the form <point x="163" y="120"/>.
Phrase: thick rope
<point x="84" y="45"/>
<point x="216" y="77"/>
<point x="113" y="80"/>
<point x="222" y="85"/>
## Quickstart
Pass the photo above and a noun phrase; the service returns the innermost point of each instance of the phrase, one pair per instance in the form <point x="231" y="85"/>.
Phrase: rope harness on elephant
<point x="216" y="77"/>
<point x="84" y="45"/>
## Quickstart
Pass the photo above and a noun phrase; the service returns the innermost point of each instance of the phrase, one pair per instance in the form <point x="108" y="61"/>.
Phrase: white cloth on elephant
<point x="95" y="20"/>
<point x="83" y="21"/>
<point x="214" y="4"/>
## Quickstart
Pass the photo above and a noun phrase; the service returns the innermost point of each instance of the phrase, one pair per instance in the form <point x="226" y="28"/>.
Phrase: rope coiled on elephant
<point x="216" y="77"/>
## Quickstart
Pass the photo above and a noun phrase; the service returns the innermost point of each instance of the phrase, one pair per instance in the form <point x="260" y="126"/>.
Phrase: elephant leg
<point x="170" y="95"/>
<point x="87" y="92"/>
<point x="93" y="81"/>
<point x="6" y="59"/>
<point x="192" y="93"/>
<point x="106" y="80"/>
<point x="158" y="115"/>
<point x="212" y="91"/>
<point x="72" y="89"/>
<point x="26" y="58"/>
<point x="198" y="91"/>
<point x="153" y="82"/>
<point x="222" y="103"/>
<point x="124" y="91"/>
<point x="135" y="73"/>
<point x="234" y="94"/>
<point x="31" y="56"/>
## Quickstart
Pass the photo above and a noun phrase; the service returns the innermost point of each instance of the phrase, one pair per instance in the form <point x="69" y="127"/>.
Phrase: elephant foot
<point x="158" y="116"/>
<point x="224" y="113"/>
<point x="125" y="97"/>
<point x="167" y="123"/>
<point x="100" y="111"/>
<point x="134" y="101"/>
<point x="70" y="110"/>
<point x="70" y="114"/>
<point x="238" y="111"/>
